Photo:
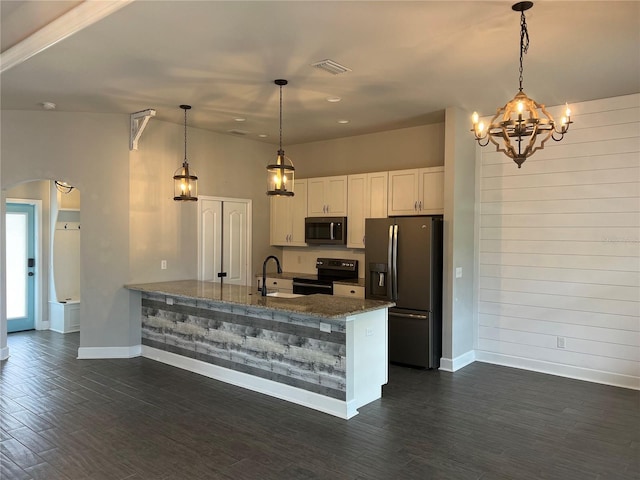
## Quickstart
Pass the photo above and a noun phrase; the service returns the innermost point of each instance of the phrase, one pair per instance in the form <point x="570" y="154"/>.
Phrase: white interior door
<point x="209" y="239"/>
<point x="234" y="242"/>
<point x="224" y="240"/>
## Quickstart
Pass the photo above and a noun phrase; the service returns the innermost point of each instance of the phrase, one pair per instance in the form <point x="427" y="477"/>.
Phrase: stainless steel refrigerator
<point x="403" y="261"/>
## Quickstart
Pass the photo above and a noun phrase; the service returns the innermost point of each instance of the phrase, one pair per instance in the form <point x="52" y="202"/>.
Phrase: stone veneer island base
<point x="324" y="352"/>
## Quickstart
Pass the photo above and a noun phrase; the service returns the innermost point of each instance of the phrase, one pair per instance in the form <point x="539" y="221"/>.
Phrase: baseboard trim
<point x="461" y="361"/>
<point x="93" y="353"/>
<point x="4" y="353"/>
<point x="569" y="371"/>
<point x="332" y="406"/>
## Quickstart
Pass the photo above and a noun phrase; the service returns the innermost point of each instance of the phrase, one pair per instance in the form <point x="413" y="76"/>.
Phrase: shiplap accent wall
<point x="559" y="250"/>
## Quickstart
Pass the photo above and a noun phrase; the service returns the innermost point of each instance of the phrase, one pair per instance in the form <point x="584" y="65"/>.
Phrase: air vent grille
<point x="330" y="66"/>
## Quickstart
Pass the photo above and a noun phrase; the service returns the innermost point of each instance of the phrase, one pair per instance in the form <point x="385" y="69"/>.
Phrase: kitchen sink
<point x="284" y="295"/>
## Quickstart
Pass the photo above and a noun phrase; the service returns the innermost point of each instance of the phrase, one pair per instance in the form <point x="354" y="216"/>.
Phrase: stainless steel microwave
<point x="325" y="230"/>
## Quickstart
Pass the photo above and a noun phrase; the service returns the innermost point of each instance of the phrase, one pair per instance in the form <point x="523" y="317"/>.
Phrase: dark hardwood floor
<point x="62" y="418"/>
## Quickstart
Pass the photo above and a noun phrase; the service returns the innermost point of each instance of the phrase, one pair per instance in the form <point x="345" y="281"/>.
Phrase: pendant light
<point x="524" y="121"/>
<point x="63" y="187"/>
<point x="185" y="182"/>
<point x="280" y="175"/>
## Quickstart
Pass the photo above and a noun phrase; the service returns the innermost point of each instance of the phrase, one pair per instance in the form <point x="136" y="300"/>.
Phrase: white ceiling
<point x="409" y="60"/>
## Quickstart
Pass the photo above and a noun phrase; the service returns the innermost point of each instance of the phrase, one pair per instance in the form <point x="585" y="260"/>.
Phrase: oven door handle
<point x="328" y="287"/>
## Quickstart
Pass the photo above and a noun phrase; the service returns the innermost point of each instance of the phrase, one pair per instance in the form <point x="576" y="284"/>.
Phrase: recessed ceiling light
<point x="263" y="135"/>
<point x="343" y="121"/>
<point x="333" y="99"/>
<point x="48" y="105"/>
<point x="240" y="119"/>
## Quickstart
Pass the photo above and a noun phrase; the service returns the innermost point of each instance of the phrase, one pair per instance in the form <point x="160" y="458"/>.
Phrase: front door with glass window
<point x="20" y="267"/>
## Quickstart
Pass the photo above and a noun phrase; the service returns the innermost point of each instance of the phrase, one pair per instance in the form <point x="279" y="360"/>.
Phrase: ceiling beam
<point x="73" y="21"/>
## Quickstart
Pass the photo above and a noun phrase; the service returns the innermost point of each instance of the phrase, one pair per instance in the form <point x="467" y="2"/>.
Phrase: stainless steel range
<point x="329" y="270"/>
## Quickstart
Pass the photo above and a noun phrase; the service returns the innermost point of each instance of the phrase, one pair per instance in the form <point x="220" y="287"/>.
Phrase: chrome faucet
<point x="264" y="272"/>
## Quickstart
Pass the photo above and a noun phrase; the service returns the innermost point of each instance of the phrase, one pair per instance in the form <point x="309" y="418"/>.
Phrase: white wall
<point x="129" y="219"/>
<point x="163" y="229"/>
<point x="459" y="220"/>
<point x="559" y="250"/>
<point x="413" y="147"/>
<point x="90" y="151"/>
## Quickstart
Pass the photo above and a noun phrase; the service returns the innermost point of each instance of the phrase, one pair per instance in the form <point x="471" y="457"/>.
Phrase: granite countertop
<point x="324" y="306"/>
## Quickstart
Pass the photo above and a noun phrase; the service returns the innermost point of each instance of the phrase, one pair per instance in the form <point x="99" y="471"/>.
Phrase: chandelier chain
<point x="185" y="134"/>
<point x="280" y="117"/>
<point x="524" y="42"/>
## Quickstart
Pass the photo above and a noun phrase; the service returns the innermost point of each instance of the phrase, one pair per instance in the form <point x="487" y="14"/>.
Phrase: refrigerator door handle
<point x="390" y="262"/>
<point x="409" y="315"/>
<point x="394" y="280"/>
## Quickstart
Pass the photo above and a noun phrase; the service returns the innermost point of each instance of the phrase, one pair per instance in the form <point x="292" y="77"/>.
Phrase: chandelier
<point x="280" y="174"/>
<point x="522" y="126"/>
<point x="63" y="187"/>
<point x="185" y="182"/>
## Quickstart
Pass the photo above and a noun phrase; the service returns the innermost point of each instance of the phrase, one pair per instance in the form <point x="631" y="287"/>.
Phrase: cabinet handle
<point x="415" y="205"/>
<point x="353" y="291"/>
<point x="420" y="204"/>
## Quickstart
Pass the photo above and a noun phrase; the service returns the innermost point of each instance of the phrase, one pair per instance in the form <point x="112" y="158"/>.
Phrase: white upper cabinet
<point x="287" y="217"/>
<point x="417" y="191"/>
<point x="327" y="196"/>
<point x="367" y="198"/>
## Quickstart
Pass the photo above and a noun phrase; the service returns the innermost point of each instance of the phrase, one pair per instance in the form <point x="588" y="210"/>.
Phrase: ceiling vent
<point x="235" y="131"/>
<point x="330" y="66"/>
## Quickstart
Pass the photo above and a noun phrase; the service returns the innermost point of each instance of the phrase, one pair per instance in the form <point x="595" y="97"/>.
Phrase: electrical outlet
<point x="169" y="301"/>
<point x="562" y="342"/>
<point x="325" y="327"/>
<point x="458" y="272"/>
<point x="163" y="264"/>
<point x="368" y="332"/>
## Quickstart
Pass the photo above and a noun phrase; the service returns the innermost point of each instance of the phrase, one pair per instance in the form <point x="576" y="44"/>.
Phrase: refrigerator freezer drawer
<point x="411" y="338"/>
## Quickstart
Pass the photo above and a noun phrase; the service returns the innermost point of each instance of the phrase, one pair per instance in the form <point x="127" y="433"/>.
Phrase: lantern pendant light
<point x="522" y="119"/>
<point x="280" y="175"/>
<point x="185" y="182"/>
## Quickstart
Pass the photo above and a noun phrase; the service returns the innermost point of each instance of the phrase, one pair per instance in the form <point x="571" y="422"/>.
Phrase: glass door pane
<point x="17" y="249"/>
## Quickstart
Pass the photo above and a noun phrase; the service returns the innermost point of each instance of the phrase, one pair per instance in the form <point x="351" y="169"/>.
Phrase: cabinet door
<point x="280" y="220"/>
<point x="432" y="190"/>
<point x="356" y="210"/>
<point x="336" y="196"/>
<point x="327" y="196"/>
<point x="377" y="195"/>
<point x="316" y="193"/>
<point x="298" y="214"/>
<point x="276" y="284"/>
<point x="366" y="198"/>
<point x="403" y="192"/>
<point x="353" y="291"/>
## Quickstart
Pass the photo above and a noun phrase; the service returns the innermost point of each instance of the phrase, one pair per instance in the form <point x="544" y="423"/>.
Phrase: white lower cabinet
<point x="277" y="284"/>
<point x="64" y="317"/>
<point x="354" y="291"/>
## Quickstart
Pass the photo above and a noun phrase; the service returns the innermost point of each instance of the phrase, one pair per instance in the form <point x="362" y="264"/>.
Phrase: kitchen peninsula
<point x="325" y="352"/>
